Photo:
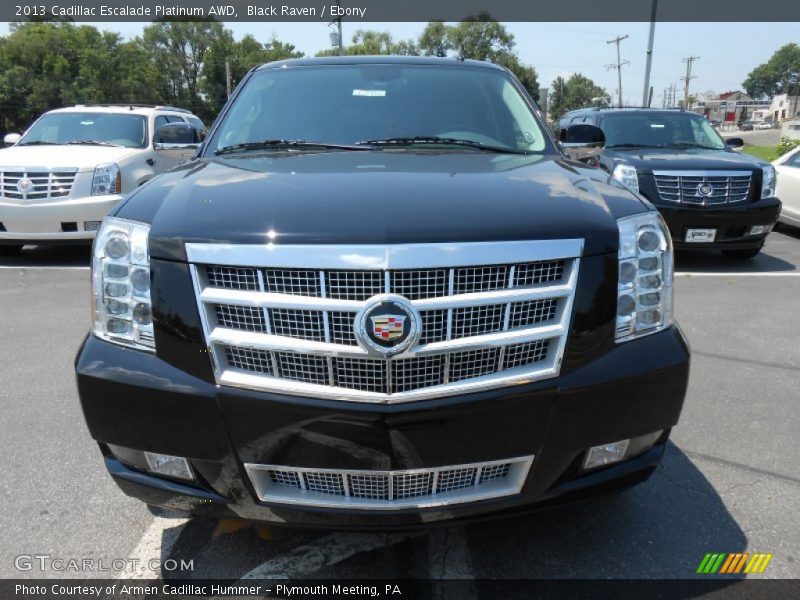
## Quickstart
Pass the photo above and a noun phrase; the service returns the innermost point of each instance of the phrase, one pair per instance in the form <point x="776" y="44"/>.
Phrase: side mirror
<point x="176" y="136"/>
<point x="581" y="141"/>
<point x="734" y="143"/>
<point x="11" y="138"/>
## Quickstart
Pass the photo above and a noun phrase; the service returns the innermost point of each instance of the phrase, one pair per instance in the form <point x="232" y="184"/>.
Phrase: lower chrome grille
<point x="387" y="490"/>
<point x="703" y="188"/>
<point x="292" y="328"/>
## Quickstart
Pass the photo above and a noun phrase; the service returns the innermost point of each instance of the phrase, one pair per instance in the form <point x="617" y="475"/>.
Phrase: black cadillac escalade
<point x="711" y="196"/>
<point x="382" y="295"/>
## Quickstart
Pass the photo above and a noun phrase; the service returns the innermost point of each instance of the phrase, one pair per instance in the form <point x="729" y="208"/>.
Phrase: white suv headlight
<point x="644" y="293"/>
<point x="123" y="311"/>
<point x="767" y="181"/>
<point x="107" y="180"/>
<point x="627" y="176"/>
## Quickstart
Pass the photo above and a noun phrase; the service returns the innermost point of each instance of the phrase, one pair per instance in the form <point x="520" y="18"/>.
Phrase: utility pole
<point x="338" y="21"/>
<point x="228" y="77"/>
<point x="618" y="65"/>
<point x="688" y="60"/>
<point x="649" y="63"/>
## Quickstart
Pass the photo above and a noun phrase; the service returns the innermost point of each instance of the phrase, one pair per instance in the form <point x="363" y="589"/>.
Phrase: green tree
<point x="370" y="42"/>
<point x="779" y="75"/>
<point x="576" y="92"/>
<point x="241" y="56"/>
<point x="180" y="49"/>
<point x="478" y="38"/>
<point x="433" y="41"/>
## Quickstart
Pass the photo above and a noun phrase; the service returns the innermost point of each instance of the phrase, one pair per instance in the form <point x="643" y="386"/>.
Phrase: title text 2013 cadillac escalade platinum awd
<point x="381" y="296"/>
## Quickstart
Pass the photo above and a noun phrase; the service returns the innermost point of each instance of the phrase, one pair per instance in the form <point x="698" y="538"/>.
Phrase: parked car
<point x="714" y="123"/>
<point x="788" y="188"/>
<point x="762" y="125"/>
<point x="711" y="196"/>
<point x="74" y="164"/>
<point x="422" y="311"/>
<point x="747" y="126"/>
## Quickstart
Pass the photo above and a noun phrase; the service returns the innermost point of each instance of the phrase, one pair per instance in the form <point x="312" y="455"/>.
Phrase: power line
<point x="688" y="60"/>
<point x="619" y="64"/>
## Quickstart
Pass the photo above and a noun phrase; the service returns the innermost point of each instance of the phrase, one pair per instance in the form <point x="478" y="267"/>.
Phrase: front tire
<point x="741" y="254"/>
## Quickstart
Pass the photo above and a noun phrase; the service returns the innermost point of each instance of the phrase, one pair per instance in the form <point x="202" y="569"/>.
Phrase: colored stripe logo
<point x="733" y="562"/>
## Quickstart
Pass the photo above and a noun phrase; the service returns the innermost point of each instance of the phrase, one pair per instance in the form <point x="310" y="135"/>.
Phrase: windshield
<point x="660" y="129"/>
<point x="346" y="104"/>
<point x="75" y="127"/>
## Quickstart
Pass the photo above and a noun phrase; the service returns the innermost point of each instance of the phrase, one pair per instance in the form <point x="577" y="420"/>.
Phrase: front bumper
<point x="136" y="400"/>
<point x="31" y="222"/>
<point x="732" y="222"/>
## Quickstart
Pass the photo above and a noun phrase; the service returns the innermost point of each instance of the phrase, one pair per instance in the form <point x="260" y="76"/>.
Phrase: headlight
<point x="107" y="180"/>
<point x="123" y="311"/>
<point x="767" y="181"/>
<point x="644" y="292"/>
<point x="627" y="176"/>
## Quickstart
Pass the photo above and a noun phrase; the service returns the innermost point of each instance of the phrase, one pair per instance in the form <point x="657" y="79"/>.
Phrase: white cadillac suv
<point x="65" y="173"/>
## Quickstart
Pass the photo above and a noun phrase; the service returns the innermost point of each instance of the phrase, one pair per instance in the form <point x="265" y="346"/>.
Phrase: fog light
<point x="597" y="456"/>
<point x="171" y="466"/>
<point x="760" y="229"/>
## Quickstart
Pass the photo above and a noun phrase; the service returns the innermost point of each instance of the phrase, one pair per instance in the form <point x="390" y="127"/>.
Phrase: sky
<point x="727" y="51"/>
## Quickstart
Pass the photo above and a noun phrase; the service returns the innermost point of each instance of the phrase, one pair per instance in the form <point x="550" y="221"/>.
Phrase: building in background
<point x="733" y="107"/>
<point x="784" y="107"/>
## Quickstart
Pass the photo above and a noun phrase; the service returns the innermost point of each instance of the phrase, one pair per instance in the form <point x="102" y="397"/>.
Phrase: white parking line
<point x="756" y="274"/>
<point x="156" y="543"/>
<point x="46" y="267"/>
<point x="326" y="551"/>
<point x="448" y="558"/>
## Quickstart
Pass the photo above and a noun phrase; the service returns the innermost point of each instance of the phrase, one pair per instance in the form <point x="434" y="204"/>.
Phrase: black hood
<point x="649" y="159"/>
<point x="380" y="197"/>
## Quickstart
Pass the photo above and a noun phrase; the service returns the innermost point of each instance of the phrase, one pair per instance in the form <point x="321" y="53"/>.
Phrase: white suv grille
<point x="38" y="183"/>
<point x="284" y="320"/>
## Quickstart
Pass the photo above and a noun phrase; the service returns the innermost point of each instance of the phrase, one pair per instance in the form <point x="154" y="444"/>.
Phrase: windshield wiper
<point x="91" y="143"/>
<point x="692" y="145"/>
<point x="635" y="146"/>
<point x="433" y="139"/>
<point x="284" y="144"/>
<point x="40" y="143"/>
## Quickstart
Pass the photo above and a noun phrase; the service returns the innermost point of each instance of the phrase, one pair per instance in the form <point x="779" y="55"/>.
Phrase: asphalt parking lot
<point x="730" y="480"/>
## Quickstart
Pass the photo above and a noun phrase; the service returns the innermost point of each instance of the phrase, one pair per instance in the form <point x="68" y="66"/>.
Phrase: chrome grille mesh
<point x="44" y="184"/>
<point x="371" y="375"/>
<point x="303" y="324"/>
<point x="389" y="489"/>
<point x="291" y="329"/>
<point x="685" y="186"/>
<point x="243" y="318"/>
<point x="232" y="278"/>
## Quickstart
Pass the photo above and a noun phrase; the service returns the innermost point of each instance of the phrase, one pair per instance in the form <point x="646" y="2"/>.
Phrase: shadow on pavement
<point x="660" y="529"/>
<point x="72" y="255"/>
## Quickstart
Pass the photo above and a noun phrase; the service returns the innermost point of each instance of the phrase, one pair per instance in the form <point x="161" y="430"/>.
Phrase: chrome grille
<point x="684" y="186"/>
<point x="296" y="323"/>
<point x="290" y="329"/>
<point x="45" y="183"/>
<point x="243" y="318"/>
<point x="232" y="278"/>
<point x="387" y="490"/>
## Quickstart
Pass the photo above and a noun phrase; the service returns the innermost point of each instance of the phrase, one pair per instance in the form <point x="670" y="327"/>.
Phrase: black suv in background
<point x="710" y="195"/>
<point x="381" y="295"/>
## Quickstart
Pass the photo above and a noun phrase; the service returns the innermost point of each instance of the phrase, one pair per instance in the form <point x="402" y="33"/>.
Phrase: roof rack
<point x="133" y="105"/>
